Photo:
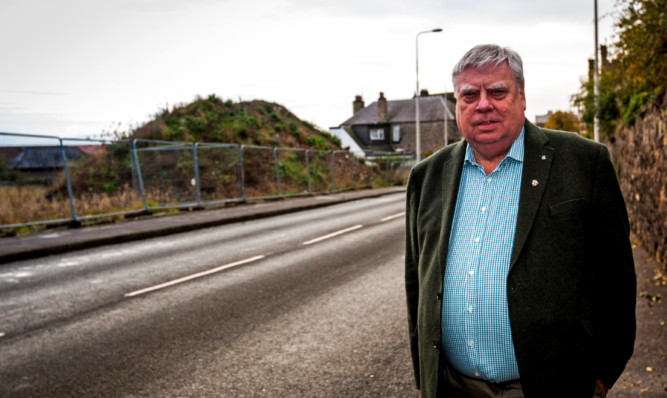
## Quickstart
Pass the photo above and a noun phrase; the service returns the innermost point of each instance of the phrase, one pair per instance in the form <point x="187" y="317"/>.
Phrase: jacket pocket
<point x="571" y="207"/>
<point x="587" y="325"/>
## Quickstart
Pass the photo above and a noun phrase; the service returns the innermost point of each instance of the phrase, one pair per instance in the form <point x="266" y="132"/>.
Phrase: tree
<point x="642" y="54"/>
<point x="566" y="121"/>
<point x="636" y="74"/>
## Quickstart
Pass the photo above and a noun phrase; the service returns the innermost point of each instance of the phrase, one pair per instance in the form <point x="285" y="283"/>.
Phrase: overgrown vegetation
<point x="206" y="120"/>
<point x="107" y="180"/>
<point x="249" y="122"/>
<point x="637" y="70"/>
<point x="565" y="121"/>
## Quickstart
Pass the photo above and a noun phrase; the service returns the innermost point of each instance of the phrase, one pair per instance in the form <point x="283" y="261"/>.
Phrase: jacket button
<point x="439" y="296"/>
<point x="436" y="344"/>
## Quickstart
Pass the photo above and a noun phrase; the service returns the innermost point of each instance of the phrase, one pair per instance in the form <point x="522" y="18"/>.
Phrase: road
<point x="309" y="304"/>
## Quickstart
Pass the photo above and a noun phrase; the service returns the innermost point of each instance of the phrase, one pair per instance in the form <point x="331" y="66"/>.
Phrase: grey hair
<point x="484" y="55"/>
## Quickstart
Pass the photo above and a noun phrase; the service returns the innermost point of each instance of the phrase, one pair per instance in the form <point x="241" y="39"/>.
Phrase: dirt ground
<point x="646" y="373"/>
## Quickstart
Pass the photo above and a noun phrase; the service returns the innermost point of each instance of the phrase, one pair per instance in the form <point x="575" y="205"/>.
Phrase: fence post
<point x="69" y="182"/>
<point x="354" y="164"/>
<point x="370" y="182"/>
<point x="241" y="174"/>
<point x="333" y="171"/>
<point x="275" y="160"/>
<point x="386" y="176"/>
<point x="139" y="176"/>
<point x="310" y="188"/>
<point x="195" y="162"/>
<point x="135" y="183"/>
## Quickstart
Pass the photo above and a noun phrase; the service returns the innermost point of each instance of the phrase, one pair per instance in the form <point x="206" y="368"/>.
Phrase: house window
<point x="377" y="135"/>
<point x="396" y="133"/>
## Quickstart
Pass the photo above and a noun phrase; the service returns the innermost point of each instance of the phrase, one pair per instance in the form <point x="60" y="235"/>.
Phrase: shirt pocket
<point x="567" y="209"/>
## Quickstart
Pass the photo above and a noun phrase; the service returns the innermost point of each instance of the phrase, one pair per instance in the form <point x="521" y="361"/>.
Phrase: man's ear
<point x="522" y="93"/>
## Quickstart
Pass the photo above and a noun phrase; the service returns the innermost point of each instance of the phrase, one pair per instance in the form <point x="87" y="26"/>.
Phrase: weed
<point x="275" y="117"/>
<point x="318" y="142"/>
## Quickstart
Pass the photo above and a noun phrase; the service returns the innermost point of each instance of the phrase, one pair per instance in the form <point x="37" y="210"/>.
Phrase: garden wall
<point x="640" y="155"/>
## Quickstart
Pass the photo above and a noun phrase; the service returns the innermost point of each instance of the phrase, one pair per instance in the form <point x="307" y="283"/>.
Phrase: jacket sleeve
<point x="615" y="286"/>
<point x="412" y="269"/>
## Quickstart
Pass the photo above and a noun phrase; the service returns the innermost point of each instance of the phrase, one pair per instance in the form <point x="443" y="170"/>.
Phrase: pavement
<point x="60" y="241"/>
<point x="644" y="376"/>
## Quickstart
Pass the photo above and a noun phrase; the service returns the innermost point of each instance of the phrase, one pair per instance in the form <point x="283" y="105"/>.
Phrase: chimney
<point x="591" y="69"/>
<point x="382" y="108"/>
<point x="423" y="93"/>
<point x="603" y="58"/>
<point x="358" y="104"/>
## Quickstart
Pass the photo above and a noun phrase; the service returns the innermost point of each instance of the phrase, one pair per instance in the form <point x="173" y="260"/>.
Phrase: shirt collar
<point x="515" y="152"/>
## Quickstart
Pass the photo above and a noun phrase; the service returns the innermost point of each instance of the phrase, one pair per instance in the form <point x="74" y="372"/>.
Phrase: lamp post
<point x="445" y="118"/>
<point x="596" y="86"/>
<point x="417" y="134"/>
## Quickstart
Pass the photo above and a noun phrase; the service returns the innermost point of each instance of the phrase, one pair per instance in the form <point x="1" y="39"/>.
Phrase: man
<point x="519" y="271"/>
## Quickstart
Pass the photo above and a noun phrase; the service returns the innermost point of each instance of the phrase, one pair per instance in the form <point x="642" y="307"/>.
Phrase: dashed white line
<point x="331" y="235"/>
<point x="193" y="276"/>
<point x="392" y="217"/>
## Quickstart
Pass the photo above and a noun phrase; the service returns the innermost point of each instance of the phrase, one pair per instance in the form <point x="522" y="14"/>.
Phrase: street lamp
<point x="417" y="135"/>
<point x="596" y="82"/>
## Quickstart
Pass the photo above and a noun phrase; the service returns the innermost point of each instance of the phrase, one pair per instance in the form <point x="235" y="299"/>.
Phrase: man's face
<point x="489" y="110"/>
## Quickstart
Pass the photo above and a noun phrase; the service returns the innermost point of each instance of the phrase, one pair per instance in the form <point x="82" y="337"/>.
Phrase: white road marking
<point x="392" y="217"/>
<point x="193" y="276"/>
<point x="14" y="277"/>
<point x="48" y="236"/>
<point x="68" y="263"/>
<point x="331" y="235"/>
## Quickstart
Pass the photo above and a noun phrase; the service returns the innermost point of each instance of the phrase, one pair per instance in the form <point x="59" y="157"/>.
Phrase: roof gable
<point x="431" y="108"/>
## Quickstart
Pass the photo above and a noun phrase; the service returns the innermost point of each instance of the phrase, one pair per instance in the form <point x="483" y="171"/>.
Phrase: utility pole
<point x="596" y="120"/>
<point x="417" y="132"/>
<point x="446" y="112"/>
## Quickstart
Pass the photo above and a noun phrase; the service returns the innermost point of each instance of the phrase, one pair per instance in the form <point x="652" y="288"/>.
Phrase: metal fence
<point x="52" y="180"/>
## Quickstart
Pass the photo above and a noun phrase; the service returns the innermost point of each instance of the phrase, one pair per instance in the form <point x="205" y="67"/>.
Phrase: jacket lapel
<point x="451" y="176"/>
<point x="536" y="166"/>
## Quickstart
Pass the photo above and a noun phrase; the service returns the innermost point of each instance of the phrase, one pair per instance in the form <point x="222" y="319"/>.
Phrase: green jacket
<point x="571" y="286"/>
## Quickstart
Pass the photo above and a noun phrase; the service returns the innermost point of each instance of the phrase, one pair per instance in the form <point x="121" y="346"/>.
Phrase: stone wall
<point x="432" y="136"/>
<point x="640" y="156"/>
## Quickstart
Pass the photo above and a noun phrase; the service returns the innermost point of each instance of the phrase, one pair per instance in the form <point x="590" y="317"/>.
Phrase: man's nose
<point x="484" y="104"/>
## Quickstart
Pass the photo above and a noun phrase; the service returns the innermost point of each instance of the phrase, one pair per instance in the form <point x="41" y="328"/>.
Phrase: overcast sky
<point x="76" y="68"/>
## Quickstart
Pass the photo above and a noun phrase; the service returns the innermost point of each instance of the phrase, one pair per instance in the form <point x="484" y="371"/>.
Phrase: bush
<point x="318" y="142"/>
<point x="275" y="117"/>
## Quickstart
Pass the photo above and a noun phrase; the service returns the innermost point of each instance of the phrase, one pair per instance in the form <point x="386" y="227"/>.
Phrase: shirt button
<point x="471" y="272"/>
<point x="488" y="179"/>
<point x="470" y="309"/>
<point x="483" y="209"/>
<point x="476" y="374"/>
<point x="476" y="240"/>
<point x="471" y="343"/>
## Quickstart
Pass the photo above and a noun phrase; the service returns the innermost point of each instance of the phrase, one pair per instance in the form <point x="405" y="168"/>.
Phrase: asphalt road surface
<point x="309" y="304"/>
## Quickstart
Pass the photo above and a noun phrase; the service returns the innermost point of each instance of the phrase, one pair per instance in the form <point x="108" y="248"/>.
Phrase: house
<point x="541" y="120"/>
<point x="389" y="125"/>
<point x="44" y="158"/>
<point x="43" y="164"/>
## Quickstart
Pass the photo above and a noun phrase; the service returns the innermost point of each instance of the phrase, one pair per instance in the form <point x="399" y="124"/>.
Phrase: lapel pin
<point x="544" y="157"/>
<point x="534" y="183"/>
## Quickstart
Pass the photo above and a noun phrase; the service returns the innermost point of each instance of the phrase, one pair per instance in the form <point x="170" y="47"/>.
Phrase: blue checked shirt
<point x="476" y="335"/>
